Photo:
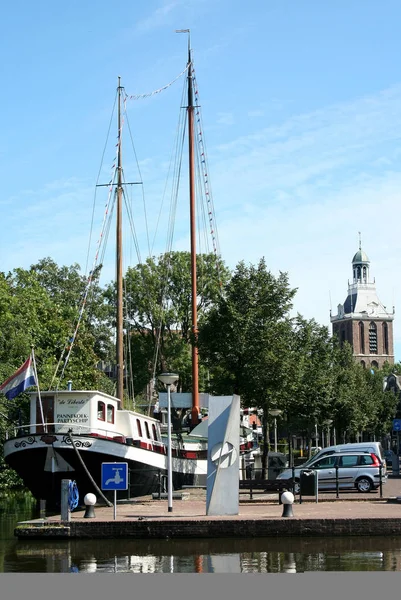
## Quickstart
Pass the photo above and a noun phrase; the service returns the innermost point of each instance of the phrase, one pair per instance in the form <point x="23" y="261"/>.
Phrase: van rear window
<point x="366" y="460"/>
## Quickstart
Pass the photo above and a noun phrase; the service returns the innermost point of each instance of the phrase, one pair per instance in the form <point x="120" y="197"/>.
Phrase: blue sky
<point x="301" y="106"/>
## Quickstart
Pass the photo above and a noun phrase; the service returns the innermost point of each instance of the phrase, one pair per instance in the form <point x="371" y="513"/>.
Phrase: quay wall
<point x="223" y="528"/>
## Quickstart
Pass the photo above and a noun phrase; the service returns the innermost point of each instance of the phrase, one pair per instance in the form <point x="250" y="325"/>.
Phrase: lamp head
<point x="275" y="412"/>
<point x="168" y="378"/>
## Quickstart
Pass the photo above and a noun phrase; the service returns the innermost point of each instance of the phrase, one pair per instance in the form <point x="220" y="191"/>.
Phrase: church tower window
<point x="385" y="338"/>
<point x="361" y="337"/>
<point x="372" y="338"/>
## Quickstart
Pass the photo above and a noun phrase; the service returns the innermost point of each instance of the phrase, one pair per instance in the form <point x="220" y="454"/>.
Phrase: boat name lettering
<point x="67" y="418"/>
<point x="71" y="401"/>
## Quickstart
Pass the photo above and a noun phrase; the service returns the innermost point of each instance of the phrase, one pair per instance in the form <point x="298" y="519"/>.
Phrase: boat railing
<point x="59" y="428"/>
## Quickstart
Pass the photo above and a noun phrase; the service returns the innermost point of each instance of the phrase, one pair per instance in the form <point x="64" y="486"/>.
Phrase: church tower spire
<point x="360" y="266"/>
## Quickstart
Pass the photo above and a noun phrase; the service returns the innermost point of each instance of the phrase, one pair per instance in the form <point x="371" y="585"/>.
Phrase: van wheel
<point x="364" y="484"/>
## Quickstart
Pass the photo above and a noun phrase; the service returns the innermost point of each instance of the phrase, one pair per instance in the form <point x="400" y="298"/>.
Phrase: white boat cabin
<point x="90" y="413"/>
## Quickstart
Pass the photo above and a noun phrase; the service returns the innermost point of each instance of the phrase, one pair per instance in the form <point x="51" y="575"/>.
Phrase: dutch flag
<point x="20" y="381"/>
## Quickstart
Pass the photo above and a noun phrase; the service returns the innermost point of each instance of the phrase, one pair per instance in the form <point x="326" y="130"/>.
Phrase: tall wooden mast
<point x="190" y="110"/>
<point x="119" y="264"/>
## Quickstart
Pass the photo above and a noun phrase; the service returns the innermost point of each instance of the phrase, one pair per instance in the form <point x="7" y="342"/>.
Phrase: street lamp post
<point x="275" y="412"/>
<point x="168" y="379"/>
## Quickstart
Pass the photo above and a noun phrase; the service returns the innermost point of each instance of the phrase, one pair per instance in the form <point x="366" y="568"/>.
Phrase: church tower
<point x="362" y="320"/>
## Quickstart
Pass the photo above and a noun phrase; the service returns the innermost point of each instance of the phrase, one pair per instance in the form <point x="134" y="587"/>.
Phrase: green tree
<point x="159" y="313"/>
<point x="245" y="338"/>
<point x="310" y="403"/>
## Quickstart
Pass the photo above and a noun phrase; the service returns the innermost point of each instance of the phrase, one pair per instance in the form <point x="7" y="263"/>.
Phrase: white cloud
<point x="256" y="113"/>
<point x="160" y="17"/>
<point x="225" y="118"/>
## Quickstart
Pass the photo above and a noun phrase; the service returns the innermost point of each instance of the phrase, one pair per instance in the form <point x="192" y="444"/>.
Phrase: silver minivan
<point x="360" y="470"/>
<point x="374" y="447"/>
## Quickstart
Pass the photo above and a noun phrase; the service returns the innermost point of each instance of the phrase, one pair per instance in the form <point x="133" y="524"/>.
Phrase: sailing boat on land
<point x="73" y="432"/>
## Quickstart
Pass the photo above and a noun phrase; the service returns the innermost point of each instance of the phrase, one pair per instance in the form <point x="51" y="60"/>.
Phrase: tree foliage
<point x="159" y="312"/>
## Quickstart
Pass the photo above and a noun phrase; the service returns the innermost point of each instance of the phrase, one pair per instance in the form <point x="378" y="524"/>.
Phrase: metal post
<point x="300" y="488"/>
<point x="275" y="434"/>
<point x="115" y="504"/>
<point x="317" y="486"/>
<point x="169" y="454"/>
<point x="337" y="487"/>
<point x="250" y="484"/>
<point x="381" y="481"/>
<point x="65" y="507"/>
<point x="293" y="480"/>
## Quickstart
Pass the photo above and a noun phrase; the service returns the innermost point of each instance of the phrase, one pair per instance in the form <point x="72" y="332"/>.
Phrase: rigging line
<point x="201" y="207"/>
<point x="132" y="227"/>
<point x="69" y="345"/>
<point x="141" y="178"/>
<point x="148" y="94"/>
<point x="129" y="371"/>
<point x="208" y="192"/>
<point x="170" y="233"/>
<point x="98" y="177"/>
<point x="181" y="117"/>
<point x="99" y="245"/>
<point x="202" y="148"/>
<point x="203" y="239"/>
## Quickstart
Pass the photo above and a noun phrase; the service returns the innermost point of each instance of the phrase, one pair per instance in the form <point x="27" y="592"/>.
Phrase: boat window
<point x="154" y="432"/>
<point x="101" y="410"/>
<point x="147" y="430"/>
<point x="138" y="424"/>
<point x="110" y="413"/>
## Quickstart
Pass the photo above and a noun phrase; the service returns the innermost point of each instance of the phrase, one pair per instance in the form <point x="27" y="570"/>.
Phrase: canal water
<point x="260" y="555"/>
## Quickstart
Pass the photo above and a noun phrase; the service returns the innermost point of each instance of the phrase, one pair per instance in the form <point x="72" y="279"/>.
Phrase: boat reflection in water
<point x="207" y="556"/>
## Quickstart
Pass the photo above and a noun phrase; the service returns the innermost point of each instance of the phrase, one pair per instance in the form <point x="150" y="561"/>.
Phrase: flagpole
<point x="37" y="384"/>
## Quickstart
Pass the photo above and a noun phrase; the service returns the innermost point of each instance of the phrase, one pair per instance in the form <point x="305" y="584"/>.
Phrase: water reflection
<point x="261" y="555"/>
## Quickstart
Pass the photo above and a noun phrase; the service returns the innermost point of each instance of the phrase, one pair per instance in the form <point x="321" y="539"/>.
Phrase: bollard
<point x="90" y="501"/>
<point x="287" y="499"/>
<point x="42" y="509"/>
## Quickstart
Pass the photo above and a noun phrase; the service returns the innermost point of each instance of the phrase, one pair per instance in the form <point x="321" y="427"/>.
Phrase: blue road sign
<point x="396" y="424"/>
<point x="114" y="476"/>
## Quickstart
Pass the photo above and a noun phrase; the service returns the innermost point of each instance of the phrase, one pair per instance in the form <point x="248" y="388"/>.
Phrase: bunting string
<point x="149" y="94"/>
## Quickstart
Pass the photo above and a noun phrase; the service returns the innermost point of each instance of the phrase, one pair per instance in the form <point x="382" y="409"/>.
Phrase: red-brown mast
<point x="190" y="110"/>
